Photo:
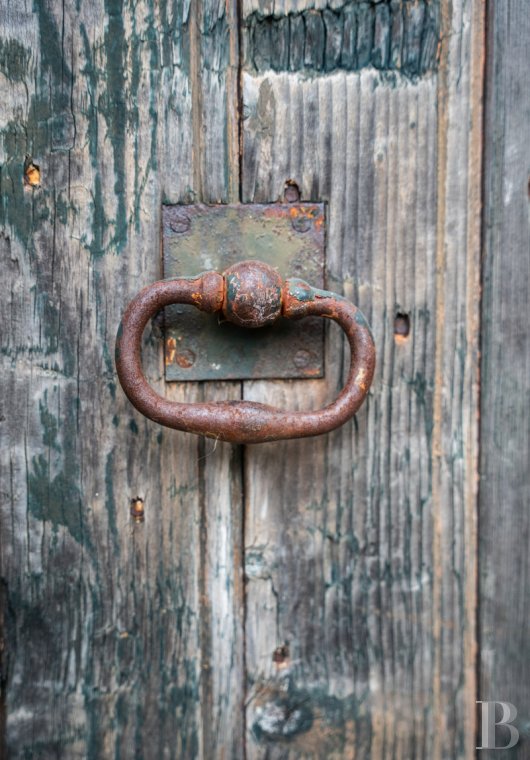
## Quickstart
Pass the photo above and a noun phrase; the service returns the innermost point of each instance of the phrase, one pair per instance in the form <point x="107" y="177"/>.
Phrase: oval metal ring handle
<point x="250" y="294"/>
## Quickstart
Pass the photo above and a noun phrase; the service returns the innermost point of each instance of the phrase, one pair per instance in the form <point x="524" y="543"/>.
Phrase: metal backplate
<point x="289" y="237"/>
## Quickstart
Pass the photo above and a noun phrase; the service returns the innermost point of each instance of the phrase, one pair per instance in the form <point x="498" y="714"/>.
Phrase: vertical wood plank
<point x="222" y="593"/>
<point x="504" y="523"/>
<point x="456" y="397"/>
<point x="361" y="546"/>
<point x="109" y="650"/>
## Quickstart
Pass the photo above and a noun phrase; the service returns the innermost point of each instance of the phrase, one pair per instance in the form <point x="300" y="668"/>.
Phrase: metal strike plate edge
<point x="288" y="236"/>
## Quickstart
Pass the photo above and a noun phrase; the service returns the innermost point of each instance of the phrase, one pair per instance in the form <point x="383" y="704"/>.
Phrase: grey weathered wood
<point x="361" y="546"/>
<point x="120" y="640"/>
<point x="504" y="523"/>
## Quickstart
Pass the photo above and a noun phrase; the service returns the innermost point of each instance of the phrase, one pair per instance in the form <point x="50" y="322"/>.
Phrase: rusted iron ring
<point x="250" y="294"/>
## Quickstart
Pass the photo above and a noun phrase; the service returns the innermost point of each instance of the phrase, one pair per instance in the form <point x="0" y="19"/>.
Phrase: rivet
<point x="180" y="223"/>
<point x="185" y="358"/>
<point x="302" y="358"/>
<point x="301" y="223"/>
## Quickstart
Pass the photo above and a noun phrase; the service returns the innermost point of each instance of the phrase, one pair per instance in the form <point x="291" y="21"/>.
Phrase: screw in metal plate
<point x="180" y="224"/>
<point x="301" y="223"/>
<point x="302" y="358"/>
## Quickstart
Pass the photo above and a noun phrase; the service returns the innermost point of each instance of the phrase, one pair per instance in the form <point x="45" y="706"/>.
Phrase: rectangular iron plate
<point x="289" y="237"/>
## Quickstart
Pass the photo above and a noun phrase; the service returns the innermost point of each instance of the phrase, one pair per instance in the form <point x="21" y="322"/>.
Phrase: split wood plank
<point x="109" y="647"/>
<point x="361" y="546"/>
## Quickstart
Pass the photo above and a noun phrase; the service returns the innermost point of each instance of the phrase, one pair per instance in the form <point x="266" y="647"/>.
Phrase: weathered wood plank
<point x="216" y="141"/>
<point x="504" y="523"/>
<point x="361" y="547"/>
<point x="108" y="646"/>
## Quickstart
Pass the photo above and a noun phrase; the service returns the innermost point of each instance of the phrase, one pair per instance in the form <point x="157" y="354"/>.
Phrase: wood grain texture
<point x="504" y="523"/>
<point x="389" y="35"/>
<point x="361" y="546"/>
<point x="125" y="639"/>
<point x="121" y="639"/>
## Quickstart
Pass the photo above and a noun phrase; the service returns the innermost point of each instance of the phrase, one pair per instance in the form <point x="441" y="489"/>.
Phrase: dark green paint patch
<point x="62" y="207"/>
<point x="300" y="290"/>
<point x="395" y="36"/>
<point x="54" y="493"/>
<point x="14" y="60"/>
<point x="360" y="318"/>
<point x="119" y="84"/>
<point x="291" y="712"/>
<point x="110" y="502"/>
<point x="282" y="720"/>
<point x="51" y="50"/>
<point x="49" y="126"/>
<point x="56" y="499"/>
<point x="55" y="339"/>
<point x="113" y="105"/>
<point x="55" y="79"/>
<point x="173" y="490"/>
<point x="133" y="427"/>
<point x="424" y="395"/>
<point x="49" y="425"/>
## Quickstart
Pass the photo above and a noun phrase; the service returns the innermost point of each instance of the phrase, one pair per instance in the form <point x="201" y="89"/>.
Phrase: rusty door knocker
<point x="249" y="294"/>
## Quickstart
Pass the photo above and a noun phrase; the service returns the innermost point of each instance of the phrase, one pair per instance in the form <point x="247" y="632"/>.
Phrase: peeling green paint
<point x="291" y="713"/>
<point x="110" y="502"/>
<point x="300" y="290"/>
<point x="113" y="106"/>
<point x="173" y="490"/>
<point x="395" y="36"/>
<point x="54" y="494"/>
<point x="15" y="60"/>
<point x="55" y="499"/>
<point x="424" y="395"/>
<point x="62" y="462"/>
<point x="49" y="424"/>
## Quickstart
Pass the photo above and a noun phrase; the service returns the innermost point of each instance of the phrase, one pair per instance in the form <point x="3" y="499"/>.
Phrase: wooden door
<point x="316" y="598"/>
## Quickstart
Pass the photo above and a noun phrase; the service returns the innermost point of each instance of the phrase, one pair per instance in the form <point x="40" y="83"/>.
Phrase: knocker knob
<point x="253" y="294"/>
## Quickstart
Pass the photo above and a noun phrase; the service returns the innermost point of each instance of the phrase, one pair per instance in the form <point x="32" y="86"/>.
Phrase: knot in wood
<point x="253" y="294"/>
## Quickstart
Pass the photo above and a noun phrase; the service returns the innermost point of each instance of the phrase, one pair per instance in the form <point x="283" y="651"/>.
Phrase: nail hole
<point x="281" y="654"/>
<point x="31" y="173"/>
<point x="137" y="510"/>
<point x="401" y="327"/>
<point x="291" y="192"/>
